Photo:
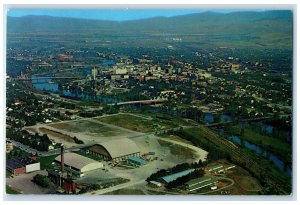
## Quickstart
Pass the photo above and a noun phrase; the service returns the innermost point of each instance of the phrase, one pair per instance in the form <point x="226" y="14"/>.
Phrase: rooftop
<point x="75" y="160"/>
<point x="137" y="159"/>
<point x="197" y="181"/>
<point x="175" y="176"/>
<point x="213" y="167"/>
<point x="203" y="184"/>
<point x="12" y="164"/>
<point x="120" y="147"/>
<point x="26" y="161"/>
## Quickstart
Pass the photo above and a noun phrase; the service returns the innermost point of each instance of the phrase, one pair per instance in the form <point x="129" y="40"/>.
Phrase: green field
<point x="139" y="123"/>
<point x="88" y="127"/>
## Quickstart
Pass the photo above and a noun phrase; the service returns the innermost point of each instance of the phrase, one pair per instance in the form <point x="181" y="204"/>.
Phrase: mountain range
<point x="264" y="28"/>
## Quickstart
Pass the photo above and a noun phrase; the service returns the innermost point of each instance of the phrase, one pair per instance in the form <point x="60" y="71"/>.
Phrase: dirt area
<point x="89" y="128"/>
<point x="247" y="183"/>
<point x="176" y="138"/>
<point x="23" y="184"/>
<point x="56" y="134"/>
<point x="178" y="150"/>
<point x="62" y="126"/>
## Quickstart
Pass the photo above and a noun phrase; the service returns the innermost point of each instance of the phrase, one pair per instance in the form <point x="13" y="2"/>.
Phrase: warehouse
<point x="116" y="150"/>
<point x="15" y="167"/>
<point x="202" y="184"/>
<point x="30" y="164"/>
<point x="22" y="165"/>
<point x="199" y="183"/>
<point x="213" y="168"/>
<point x="220" y="168"/>
<point x="173" y="177"/>
<point x="78" y="164"/>
<point x="136" y="161"/>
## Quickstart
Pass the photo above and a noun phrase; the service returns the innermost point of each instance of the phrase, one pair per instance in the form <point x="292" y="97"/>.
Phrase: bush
<point x="42" y="180"/>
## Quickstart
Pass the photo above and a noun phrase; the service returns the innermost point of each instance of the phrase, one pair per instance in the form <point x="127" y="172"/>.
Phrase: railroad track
<point x="240" y="155"/>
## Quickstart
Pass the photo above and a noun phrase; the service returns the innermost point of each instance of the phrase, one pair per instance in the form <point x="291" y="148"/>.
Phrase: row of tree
<point x="36" y="141"/>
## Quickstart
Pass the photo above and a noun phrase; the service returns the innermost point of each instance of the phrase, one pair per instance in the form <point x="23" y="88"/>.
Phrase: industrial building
<point x="78" y="164"/>
<point x="116" y="150"/>
<point x="30" y="164"/>
<point x="169" y="178"/>
<point x="136" y="161"/>
<point x="15" y="167"/>
<point x="212" y="168"/>
<point x="199" y="183"/>
<point x="220" y="168"/>
<point x="22" y="165"/>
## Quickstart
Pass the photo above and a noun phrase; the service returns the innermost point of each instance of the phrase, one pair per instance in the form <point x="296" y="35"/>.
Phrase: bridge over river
<point x="141" y="102"/>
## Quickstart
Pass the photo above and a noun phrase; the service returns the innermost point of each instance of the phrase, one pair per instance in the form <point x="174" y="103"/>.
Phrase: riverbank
<point x="271" y="144"/>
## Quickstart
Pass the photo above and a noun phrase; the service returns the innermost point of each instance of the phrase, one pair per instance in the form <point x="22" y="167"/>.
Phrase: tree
<point x="217" y="118"/>
<point x="42" y="180"/>
<point x="242" y="133"/>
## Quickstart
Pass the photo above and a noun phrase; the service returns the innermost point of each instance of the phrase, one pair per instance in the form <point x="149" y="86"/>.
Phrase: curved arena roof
<point x="120" y="147"/>
<point x="79" y="162"/>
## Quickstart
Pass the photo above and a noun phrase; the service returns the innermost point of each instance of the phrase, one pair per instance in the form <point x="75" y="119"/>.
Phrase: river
<point x="209" y="118"/>
<point x="48" y="85"/>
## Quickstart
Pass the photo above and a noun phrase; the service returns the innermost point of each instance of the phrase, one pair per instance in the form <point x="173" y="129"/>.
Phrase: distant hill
<point x="265" y="28"/>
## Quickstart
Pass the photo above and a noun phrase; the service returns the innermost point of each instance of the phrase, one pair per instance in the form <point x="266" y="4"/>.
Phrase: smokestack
<point x="62" y="161"/>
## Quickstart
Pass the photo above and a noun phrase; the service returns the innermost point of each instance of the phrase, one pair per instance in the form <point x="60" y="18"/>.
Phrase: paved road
<point x="114" y="188"/>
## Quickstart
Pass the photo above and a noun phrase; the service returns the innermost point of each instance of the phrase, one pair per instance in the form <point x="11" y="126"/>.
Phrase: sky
<point x="115" y="15"/>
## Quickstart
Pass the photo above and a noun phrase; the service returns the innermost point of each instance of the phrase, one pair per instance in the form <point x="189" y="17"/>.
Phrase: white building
<point x="79" y="163"/>
<point x="30" y="164"/>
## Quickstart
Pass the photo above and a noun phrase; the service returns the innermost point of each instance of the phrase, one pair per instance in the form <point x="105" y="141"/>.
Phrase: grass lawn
<point x="46" y="162"/>
<point x="10" y="190"/>
<point x="137" y="123"/>
<point x="167" y="118"/>
<point x="247" y="183"/>
<point x="7" y="174"/>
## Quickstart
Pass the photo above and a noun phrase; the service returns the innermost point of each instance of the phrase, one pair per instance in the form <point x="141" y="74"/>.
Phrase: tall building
<point x="94" y="73"/>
